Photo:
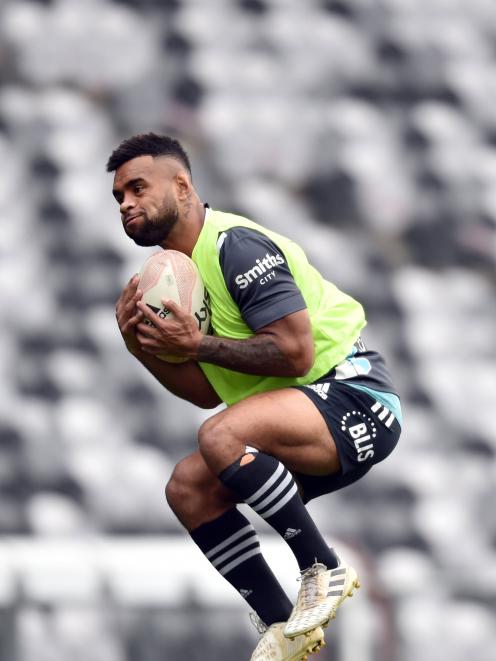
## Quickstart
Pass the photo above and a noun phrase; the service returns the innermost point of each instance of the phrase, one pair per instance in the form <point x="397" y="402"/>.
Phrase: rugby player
<point x="309" y="408"/>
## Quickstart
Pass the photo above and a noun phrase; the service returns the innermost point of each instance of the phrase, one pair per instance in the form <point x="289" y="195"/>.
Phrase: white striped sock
<point x="225" y="557"/>
<point x="266" y="485"/>
<point x="285" y="489"/>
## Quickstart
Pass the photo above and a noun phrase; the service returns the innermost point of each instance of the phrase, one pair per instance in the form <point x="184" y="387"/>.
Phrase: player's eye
<point x="139" y="188"/>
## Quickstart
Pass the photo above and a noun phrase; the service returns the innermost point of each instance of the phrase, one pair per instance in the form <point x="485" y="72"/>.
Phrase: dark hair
<point x="147" y="144"/>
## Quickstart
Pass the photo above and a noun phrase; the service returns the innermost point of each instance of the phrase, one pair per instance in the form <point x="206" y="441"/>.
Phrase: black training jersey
<point x="273" y="294"/>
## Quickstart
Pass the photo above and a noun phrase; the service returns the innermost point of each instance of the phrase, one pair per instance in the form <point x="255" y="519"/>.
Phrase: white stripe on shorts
<point x="383" y="414"/>
<point x="389" y="421"/>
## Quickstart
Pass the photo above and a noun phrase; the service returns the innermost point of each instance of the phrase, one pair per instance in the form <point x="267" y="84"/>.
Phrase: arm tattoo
<point x="256" y="355"/>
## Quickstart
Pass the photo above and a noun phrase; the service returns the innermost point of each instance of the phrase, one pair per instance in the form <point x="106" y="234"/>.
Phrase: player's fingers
<point x="147" y="331"/>
<point x="121" y="314"/>
<point x="129" y="291"/>
<point x="135" y="320"/>
<point x="120" y="302"/>
<point x="140" y="337"/>
<point x="147" y="344"/>
<point x="151" y="350"/>
<point x="131" y="287"/>
<point x="130" y="304"/>
<point x="148" y="312"/>
<point x="174" y="307"/>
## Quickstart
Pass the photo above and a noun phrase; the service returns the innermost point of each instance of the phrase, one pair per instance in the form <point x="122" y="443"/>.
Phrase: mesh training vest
<point x="336" y="318"/>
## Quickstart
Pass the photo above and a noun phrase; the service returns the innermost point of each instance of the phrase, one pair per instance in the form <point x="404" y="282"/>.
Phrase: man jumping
<point x="309" y="408"/>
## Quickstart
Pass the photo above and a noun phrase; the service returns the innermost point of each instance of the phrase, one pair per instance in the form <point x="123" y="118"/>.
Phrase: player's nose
<point x="126" y="205"/>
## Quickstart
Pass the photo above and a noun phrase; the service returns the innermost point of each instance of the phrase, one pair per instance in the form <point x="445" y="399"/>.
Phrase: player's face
<point x="144" y="189"/>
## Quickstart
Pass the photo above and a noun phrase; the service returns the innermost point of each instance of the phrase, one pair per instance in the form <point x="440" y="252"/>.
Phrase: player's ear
<point x="183" y="184"/>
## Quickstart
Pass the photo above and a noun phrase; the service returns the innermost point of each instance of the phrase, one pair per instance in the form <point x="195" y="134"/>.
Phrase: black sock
<point x="231" y="544"/>
<point x="268" y="487"/>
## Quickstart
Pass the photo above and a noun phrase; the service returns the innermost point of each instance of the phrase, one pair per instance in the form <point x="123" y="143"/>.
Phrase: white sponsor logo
<point x="262" y="267"/>
<point x="245" y="593"/>
<point x="291" y="532"/>
<point x="321" y="389"/>
<point x="362" y="437"/>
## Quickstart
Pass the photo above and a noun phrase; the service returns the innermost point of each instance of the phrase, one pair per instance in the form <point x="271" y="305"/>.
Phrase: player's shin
<point x="230" y="543"/>
<point x="269" y="488"/>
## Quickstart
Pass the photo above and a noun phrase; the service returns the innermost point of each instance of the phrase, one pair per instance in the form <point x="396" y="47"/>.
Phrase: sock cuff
<point x="263" y="461"/>
<point x="264" y="483"/>
<point x="231" y="470"/>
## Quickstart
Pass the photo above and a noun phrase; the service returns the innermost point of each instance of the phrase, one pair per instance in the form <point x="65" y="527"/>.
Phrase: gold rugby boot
<point x="322" y="592"/>
<point x="274" y="646"/>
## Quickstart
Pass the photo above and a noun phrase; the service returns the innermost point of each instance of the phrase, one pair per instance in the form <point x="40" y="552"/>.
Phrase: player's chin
<point x="145" y="234"/>
<point x="141" y="239"/>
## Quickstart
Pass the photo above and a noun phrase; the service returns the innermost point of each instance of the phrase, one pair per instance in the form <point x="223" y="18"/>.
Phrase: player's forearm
<point x="185" y="380"/>
<point x="260" y="354"/>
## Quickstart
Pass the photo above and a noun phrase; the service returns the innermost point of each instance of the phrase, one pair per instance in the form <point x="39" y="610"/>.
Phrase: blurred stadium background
<point x="365" y="130"/>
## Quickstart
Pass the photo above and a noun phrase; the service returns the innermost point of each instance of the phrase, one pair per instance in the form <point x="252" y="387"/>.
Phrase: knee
<point x="219" y="442"/>
<point x="192" y="482"/>
<point x="180" y="486"/>
<point x="211" y="437"/>
<point x="195" y="495"/>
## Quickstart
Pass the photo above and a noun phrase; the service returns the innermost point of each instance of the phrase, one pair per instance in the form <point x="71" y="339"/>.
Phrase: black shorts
<point x="364" y="430"/>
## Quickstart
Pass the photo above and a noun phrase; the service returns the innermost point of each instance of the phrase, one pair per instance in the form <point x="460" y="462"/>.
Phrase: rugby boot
<point x="273" y="646"/>
<point x="321" y="593"/>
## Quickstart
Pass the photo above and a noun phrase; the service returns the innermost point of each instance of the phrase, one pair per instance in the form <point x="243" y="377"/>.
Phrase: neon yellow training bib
<point x="336" y="318"/>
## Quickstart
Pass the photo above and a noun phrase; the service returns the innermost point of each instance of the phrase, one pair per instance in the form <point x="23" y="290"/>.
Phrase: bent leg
<point x="287" y="431"/>
<point x="195" y="494"/>
<point x="282" y="423"/>
<point x="208" y="511"/>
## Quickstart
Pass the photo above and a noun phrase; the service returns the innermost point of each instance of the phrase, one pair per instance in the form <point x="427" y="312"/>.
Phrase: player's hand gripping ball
<point x="172" y="275"/>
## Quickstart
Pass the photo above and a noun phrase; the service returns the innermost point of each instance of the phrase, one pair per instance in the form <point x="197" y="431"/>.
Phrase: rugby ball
<point x="173" y="275"/>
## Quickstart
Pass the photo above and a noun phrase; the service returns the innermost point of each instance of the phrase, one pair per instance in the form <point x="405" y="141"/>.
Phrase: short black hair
<point x="147" y="144"/>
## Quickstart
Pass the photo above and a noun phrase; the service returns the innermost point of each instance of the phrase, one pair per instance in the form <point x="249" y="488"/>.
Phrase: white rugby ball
<point x="173" y="275"/>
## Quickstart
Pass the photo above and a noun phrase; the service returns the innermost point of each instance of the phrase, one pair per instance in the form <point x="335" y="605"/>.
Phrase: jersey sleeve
<point x="258" y="277"/>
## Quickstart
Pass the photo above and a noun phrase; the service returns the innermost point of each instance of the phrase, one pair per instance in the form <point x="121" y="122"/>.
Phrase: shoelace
<point x="310" y="585"/>
<point x="260" y="626"/>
